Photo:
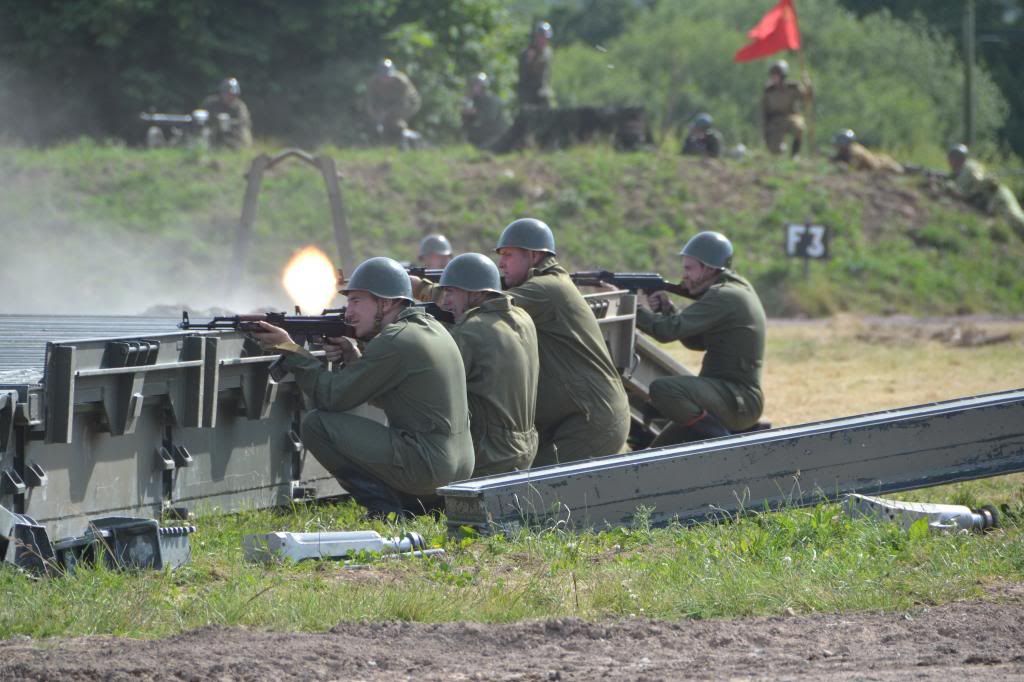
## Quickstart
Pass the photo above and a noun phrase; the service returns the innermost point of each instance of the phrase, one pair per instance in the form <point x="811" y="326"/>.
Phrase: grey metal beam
<point x="875" y="453"/>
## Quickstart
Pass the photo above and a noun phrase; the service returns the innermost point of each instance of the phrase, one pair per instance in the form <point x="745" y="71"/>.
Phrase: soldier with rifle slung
<point x="498" y="342"/>
<point x="232" y="125"/>
<point x="410" y="368"/>
<point x="728" y="322"/>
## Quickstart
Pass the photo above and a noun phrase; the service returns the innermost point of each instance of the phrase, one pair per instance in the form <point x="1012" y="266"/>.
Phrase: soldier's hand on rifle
<point x="660" y="302"/>
<point x="342" y="349"/>
<point x="269" y="336"/>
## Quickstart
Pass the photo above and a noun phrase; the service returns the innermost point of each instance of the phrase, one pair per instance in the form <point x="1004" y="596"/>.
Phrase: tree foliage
<point x="897" y="83"/>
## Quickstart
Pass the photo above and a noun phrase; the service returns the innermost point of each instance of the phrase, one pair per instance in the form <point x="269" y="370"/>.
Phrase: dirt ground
<point x="980" y="639"/>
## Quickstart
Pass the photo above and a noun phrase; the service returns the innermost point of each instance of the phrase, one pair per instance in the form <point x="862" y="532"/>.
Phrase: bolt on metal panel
<point x="801" y="465"/>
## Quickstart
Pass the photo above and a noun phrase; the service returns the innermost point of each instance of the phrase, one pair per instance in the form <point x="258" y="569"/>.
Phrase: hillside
<point x="103" y="228"/>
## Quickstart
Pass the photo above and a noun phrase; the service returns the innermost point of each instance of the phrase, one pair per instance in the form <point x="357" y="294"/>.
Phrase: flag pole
<point x="805" y="74"/>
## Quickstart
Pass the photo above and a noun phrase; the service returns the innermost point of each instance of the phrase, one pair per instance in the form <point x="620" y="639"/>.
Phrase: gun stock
<point x="630" y="281"/>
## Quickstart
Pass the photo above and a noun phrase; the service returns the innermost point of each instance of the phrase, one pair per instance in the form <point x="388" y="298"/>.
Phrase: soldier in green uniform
<point x="410" y="368"/>
<point x="483" y="113"/>
<point x="392" y="100"/>
<point x="232" y="125"/>
<point x="435" y="251"/>
<point x="727" y="321"/>
<point x="858" y="157"/>
<point x="972" y="183"/>
<point x="780" y="109"/>
<point x="582" y="410"/>
<point x="703" y="139"/>
<point x="534" y="87"/>
<point x="499" y="349"/>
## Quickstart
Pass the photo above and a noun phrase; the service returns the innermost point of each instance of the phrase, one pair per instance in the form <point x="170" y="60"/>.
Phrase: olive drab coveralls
<point x="582" y="409"/>
<point x="983" y="191"/>
<point x="780" y="108"/>
<point x="859" y="157"/>
<point x="413" y="371"/>
<point x="728" y="322"/>
<point x="498" y="342"/>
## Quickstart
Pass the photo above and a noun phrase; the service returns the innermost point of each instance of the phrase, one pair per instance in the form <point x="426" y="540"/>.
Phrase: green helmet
<point x="472" y="272"/>
<point x="710" y="248"/>
<point x="527" y="233"/>
<point x="703" y="121"/>
<point x="844" y="137"/>
<point x="382" y="277"/>
<point x="781" y="67"/>
<point x="435" y="243"/>
<point x="958" y="151"/>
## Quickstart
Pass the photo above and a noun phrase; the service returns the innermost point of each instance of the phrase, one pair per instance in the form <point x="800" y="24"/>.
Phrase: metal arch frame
<point x="254" y="180"/>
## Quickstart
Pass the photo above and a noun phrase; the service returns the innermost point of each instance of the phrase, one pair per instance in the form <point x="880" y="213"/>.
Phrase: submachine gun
<point x="302" y="328"/>
<point x="630" y="281"/>
<point x="430" y="274"/>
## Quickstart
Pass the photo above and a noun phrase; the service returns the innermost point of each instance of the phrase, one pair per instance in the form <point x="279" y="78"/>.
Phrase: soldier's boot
<point x="702" y="427"/>
<point x="379" y="498"/>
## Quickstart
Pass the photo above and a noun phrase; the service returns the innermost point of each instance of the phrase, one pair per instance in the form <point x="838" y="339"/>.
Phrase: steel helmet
<point x="781" y="66"/>
<point x="958" y="151"/>
<point x="435" y="243"/>
<point x="527" y="233"/>
<point x="382" y="277"/>
<point x="472" y="272"/>
<point x="230" y="86"/>
<point x="386" y="67"/>
<point x="844" y="137"/>
<point x="545" y="28"/>
<point x="710" y="248"/>
<point x="481" y="78"/>
<point x="703" y="121"/>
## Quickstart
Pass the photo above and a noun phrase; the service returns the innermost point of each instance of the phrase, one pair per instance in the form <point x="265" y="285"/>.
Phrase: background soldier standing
<point x="498" y="342"/>
<point x="728" y="322"/>
<point x="534" y="88"/>
<point x="859" y="157"/>
<point x="232" y="125"/>
<point x="972" y="183"/>
<point x="703" y="139"/>
<point x="582" y="410"/>
<point x="392" y="100"/>
<point x="483" y="116"/>
<point x="412" y="369"/>
<point x="780" y="109"/>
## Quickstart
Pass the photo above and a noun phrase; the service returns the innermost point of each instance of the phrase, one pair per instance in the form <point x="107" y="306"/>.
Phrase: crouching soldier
<point x="410" y="368"/>
<point x="727" y="321"/>
<point x="499" y="349"/>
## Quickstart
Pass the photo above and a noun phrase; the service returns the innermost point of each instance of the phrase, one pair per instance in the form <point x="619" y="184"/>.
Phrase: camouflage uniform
<point x="499" y="348"/>
<point x="983" y="191"/>
<point x="239" y="133"/>
<point x="728" y="322"/>
<point x="484" y="120"/>
<point x="709" y="144"/>
<point x="859" y="157"/>
<point x="534" y="87"/>
<point x="582" y="410"/>
<point x="780" y="108"/>
<point x="392" y="101"/>
<point x="413" y="371"/>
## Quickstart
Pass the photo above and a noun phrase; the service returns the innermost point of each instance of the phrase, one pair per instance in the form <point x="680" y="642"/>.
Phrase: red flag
<point x="776" y="31"/>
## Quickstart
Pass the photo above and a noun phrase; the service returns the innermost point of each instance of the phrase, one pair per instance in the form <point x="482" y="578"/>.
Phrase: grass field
<point x="799" y="560"/>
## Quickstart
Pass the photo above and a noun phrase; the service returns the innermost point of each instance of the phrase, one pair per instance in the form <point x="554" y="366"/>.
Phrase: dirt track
<point x="977" y="639"/>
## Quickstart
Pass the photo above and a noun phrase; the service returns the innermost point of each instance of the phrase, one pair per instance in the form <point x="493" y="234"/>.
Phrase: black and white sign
<point x="807" y="241"/>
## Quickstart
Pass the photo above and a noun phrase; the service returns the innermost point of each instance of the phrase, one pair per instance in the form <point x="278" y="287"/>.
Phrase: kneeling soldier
<point x="728" y="322"/>
<point x="410" y="368"/>
<point x="499" y="349"/>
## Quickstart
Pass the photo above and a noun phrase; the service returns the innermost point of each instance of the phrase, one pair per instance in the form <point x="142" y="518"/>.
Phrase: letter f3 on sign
<point x="806" y="241"/>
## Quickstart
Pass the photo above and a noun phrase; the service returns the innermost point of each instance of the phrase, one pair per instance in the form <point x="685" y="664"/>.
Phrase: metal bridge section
<point x="801" y="465"/>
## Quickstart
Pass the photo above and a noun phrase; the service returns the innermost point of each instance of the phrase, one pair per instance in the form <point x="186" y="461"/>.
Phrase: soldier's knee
<point x="313" y="431"/>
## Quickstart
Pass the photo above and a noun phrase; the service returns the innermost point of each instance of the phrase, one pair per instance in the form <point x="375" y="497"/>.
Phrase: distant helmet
<point x="958" y="151"/>
<point x="545" y="28"/>
<point x="527" y="233"/>
<point x="781" y="67"/>
<point x="386" y="68"/>
<point x="435" y="243"/>
<point x="230" y="86"/>
<point x="844" y="137"/>
<point x="382" y="277"/>
<point x="472" y="272"/>
<point x="480" y="78"/>
<point x="710" y="248"/>
<point x="703" y="121"/>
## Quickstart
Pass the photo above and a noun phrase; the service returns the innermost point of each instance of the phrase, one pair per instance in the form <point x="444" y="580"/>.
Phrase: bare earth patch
<point x="982" y="639"/>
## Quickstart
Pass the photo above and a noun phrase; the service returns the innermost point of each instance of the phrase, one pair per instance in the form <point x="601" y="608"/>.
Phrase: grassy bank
<point x="806" y="560"/>
<point x="94" y="227"/>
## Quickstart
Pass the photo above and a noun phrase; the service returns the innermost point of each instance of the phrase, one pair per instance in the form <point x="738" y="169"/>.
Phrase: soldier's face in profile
<point x="696" y="275"/>
<point x="361" y="312"/>
<point x="514" y="264"/>
<point x="455" y="301"/>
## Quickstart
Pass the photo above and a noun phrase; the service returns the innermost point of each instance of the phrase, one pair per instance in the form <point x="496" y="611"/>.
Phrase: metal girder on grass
<point x="882" y="452"/>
